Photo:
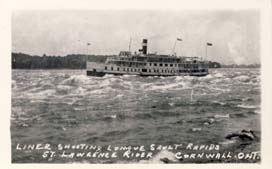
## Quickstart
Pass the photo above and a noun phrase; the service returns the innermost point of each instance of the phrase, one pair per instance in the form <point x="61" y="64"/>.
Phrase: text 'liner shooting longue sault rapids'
<point x="149" y="64"/>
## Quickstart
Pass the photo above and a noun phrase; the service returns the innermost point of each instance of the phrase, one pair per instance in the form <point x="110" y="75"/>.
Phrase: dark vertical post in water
<point x="144" y="46"/>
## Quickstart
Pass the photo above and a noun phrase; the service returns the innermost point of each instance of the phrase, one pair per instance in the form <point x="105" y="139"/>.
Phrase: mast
<point x="129" y="46"/>
<point x="173" y="50"/>
<point x="207" y="44"/>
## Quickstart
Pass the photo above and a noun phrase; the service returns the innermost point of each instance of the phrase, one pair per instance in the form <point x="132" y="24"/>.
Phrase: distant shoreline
<point x="78" y="61"/>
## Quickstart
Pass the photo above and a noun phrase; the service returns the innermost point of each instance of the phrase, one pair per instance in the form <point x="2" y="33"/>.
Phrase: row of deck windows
<point x="136" y="64"/>
<point x="154" y="70"/>
<point x="166" y="64"/>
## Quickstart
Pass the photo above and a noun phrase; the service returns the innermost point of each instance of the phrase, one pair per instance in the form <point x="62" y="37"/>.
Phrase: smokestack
<point x="144" y="46"/>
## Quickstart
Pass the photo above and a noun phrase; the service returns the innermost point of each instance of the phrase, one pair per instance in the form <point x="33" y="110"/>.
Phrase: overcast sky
<point x="235" y="35"/>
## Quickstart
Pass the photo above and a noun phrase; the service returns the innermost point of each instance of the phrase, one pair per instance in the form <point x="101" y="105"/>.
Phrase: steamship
<point x="148" y="64"/>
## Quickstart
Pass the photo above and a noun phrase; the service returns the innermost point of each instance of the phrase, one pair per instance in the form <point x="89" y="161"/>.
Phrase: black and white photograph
<point x="136" y="86"/>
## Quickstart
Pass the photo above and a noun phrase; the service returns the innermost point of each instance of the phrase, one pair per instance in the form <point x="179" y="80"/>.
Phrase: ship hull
<point x="101" y="74"/>
<point x="95" y="73"/>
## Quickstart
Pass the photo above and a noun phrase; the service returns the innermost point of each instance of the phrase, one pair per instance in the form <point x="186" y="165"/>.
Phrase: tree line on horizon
<point x="75" y="61"/>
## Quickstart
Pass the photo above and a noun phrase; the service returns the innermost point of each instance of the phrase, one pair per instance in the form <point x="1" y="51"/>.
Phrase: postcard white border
<point x="7" y="6"/>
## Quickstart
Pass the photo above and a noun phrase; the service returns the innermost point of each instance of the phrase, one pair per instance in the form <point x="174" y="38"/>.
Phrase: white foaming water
<point x="246" y="99"/>
<point x="196" y="129"/>
<point x="217" y="116"/>
<point x="99" y="91"/>
<point x="76" y="79"/>
<point x="119" y="96"/>
<point x="108" y="76"/>
<point x="69" y="101"/>
<point x="79" y="108"/>
<point x="183" y="78"/>
<point x="153" y="110"/>
<point x="211" y="120"/>
<point x="114" y="116"/>
<point x="223" y="90"/>
<point x="127" y="84"/>
<point x="129" y="76"/>
<point x="257" y="111"/>
<point x="218" y="75"/>
<point x="63" y="88"/>
<point x="247" y="106"/>
<point x="163" y="87"/>
<point x="79" y="91"/>
<point x="209" y="76"/>
<point x="171" y="104"/>
<point x="43" y="94"/>
<point x="228" y="142"/>
<point x="105" y="83"/>
<point x="13" y="84"/>
<point x="166" y="86"/>
<point x="218" y="102"/>
<point x="242" y="78"/>
<point x="38" y="101"/>
<point x="18" y="111"/>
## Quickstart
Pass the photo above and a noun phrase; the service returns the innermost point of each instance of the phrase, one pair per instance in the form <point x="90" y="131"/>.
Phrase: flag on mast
<point x="209" y="44"/>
